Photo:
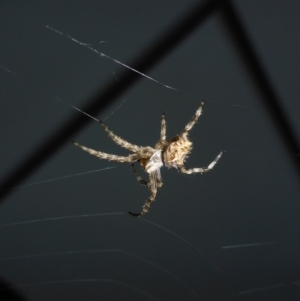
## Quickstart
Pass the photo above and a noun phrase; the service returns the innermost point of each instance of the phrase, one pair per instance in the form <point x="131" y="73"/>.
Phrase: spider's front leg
<point x="105" y="156"/>
<point x="200" y="169"/>
<point x="118" y="140"/>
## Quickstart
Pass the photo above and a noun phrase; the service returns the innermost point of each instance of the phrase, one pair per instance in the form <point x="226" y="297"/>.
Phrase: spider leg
<point x="118" y="140"/>
<point x="146" y="205"/>
<point x="156" y="175"/>
<point x="163" y="129"/>
<point x="155" y="182"/>
<point x="190" y="125"/>
<point x="105" y="156"/>
<point x="201" y="170"/>
<point x="138" y="177"/>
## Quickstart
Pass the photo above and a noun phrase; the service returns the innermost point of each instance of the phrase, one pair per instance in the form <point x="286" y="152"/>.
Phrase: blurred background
<point x="229" y="234"/>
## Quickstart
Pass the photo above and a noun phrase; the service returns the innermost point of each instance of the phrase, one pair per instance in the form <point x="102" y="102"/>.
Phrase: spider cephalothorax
<point x="171" y="153"/>
<point x="152" y="163"/>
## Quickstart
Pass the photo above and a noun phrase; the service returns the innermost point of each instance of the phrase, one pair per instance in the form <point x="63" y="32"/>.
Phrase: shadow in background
<point x="7" y="293"/>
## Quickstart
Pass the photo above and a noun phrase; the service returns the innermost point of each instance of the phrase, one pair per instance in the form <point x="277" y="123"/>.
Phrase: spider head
<point x="152" y="163"/>
<point x="177" y="151"/>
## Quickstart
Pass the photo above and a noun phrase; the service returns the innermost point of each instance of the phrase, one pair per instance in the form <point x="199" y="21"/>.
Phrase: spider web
<point x="206" y="237"/>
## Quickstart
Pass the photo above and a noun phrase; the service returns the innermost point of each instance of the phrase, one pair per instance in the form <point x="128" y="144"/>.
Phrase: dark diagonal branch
<point x="260" y="80"/>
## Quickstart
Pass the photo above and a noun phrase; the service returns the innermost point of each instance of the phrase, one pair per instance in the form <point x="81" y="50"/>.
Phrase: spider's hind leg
<point x="134" y="214"/>
<point x="190" y="125"/>
<point x="200" y="169"/>
<point x="138" y="177"/>
<point x="145" y="207"/>
<point x="163" y="129"/>
<point x="153" y="188"/>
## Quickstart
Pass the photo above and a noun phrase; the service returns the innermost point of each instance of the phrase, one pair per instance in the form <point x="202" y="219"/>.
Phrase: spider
<point x="169" y="153"/>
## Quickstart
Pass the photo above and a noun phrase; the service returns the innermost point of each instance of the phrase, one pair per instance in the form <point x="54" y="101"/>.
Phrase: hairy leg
<point x="190" y="125"/>
<point x="148" y="202"/>
<point x="138" y="177"/>
<point x="118" y="140"/>
<point x="105" y="156"/>
<point x="201" y="169"/>
<point x="163" y="129"/>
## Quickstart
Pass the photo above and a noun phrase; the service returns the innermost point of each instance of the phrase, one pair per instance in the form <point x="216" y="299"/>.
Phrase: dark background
<point x="230" y="234"/>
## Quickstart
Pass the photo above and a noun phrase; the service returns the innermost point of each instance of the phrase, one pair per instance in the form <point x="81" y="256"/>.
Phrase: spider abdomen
<point x="177" y="151"/>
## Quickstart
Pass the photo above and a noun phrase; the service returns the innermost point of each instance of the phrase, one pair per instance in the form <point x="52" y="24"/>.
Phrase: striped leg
<point x="190" y="125"/>
<point x="200" y="169"/>
<point x="105" y="156"/>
